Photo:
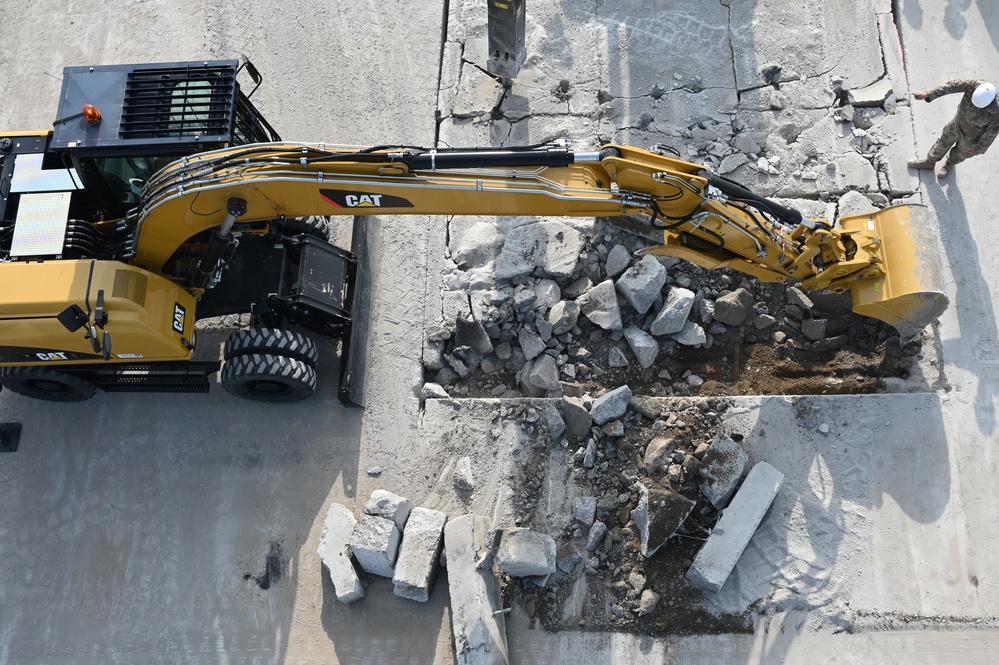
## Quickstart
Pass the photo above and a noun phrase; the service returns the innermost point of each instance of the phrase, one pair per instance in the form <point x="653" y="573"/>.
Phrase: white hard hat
<point x="983" y="95"/>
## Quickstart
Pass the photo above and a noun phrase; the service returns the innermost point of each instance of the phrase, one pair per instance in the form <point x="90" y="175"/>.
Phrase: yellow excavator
<point x="162" y="196"/>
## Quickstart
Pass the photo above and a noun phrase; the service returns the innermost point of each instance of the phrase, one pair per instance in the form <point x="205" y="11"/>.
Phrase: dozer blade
<point x="354" y="346"/>
<point x="910" y="294"/>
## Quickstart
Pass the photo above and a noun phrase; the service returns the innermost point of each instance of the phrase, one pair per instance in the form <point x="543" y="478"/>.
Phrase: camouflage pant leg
<point x="954" y="140"/>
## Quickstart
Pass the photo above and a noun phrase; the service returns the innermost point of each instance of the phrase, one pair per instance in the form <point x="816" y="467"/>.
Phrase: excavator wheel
<point x="272" y="341"/>
<point x="45" y="383"/>
<point x="316" y="226"/>
<point x="265" y="377"/>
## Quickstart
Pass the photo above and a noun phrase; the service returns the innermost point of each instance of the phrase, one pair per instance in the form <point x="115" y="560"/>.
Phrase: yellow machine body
<point x="148" y="317"/>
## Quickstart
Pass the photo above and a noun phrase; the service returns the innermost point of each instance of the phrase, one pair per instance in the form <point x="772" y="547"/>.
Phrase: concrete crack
<point x="440" y="70"/>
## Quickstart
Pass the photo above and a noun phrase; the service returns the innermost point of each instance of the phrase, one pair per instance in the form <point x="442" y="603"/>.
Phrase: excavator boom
<point x="880" y="258"/>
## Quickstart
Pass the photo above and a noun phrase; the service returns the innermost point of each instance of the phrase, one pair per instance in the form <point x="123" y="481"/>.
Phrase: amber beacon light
<point x="91" y="113"/>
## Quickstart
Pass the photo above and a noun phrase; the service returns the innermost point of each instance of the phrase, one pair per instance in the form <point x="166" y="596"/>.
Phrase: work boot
<point x="945" y="169"/>
<point x="920" y="164"/>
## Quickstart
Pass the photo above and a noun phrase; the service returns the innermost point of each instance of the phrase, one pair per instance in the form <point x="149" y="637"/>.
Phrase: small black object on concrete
<point x="10" y="434"/>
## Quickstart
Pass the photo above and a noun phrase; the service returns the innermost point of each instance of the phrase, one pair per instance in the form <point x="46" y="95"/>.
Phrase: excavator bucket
<point x="909" y="296"/>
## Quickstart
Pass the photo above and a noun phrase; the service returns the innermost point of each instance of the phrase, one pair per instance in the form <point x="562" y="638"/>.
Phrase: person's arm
<point x="987" y="138"/>
<point x="948" y="88"/>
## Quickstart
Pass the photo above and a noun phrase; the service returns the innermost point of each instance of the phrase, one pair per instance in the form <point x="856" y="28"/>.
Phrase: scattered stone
<point x="617" y="261"/>
<point x="463" y="479"/>
<point x="433" y="391"/>
<point x="546" y="293"/>
<point x="734" y="307"/>
<point x="647" y="603"/>
<point x="611" y="405"/>
<point x="577" y="419"/>
<point x="596" y="534"/>
<point x="722" y="467"/>
<point x="814" y="329"/>
<point x="563" y="316"/>
<point x="383" y="503"/>
<point x="616" y="357"/>
<point x="577" y="288"/>
<point x="531" y="344"/>
<point x="658" y="515"/>
<point x="641" y="284"/>
<point x="526" y="553"/>
<point x="334" y="551"/>
<point x="732" y="162"/>
<point x="419" y="553"/>
<point x="613" y="429"/>
<point x="673" y="315"/>
<point x="642" y="345"/>
<point x="657" y="453"/>
<point x="477" y="620"/>
<point x="544" y="373"/>
<point x="375" y="544"/>
<point x="600" y="306"/>
<point x="647" y="406"/>
<point x="470" y="333"/>
<point x="556" y="425"/>
<point x="584" y="510"/>
<point x="503" y="351"/>
<point x="719" y="554"/>
<point x="691" y="335"/>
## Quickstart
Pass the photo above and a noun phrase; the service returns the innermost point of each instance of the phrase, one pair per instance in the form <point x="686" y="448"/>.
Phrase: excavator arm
<point x="881" y="258"/>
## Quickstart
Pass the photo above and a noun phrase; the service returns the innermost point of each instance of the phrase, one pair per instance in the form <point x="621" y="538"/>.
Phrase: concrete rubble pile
<point x="559" y="329"/>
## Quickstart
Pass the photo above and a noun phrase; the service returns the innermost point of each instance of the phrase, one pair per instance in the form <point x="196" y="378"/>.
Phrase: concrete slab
<point x="375" y="544"/>
<point x="419" y="554"/>
<point x="478" y="625"/>
<point x="716" y="559"/>
<point x="334" y="551"/>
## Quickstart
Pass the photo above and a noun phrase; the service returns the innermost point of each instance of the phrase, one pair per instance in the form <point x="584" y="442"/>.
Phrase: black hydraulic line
<point x="740" y="193"/>
<point x="460" y="159"/>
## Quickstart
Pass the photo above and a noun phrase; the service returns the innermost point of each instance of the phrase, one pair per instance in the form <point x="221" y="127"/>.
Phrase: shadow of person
<point x="954" y="19"/>
<point x="989" y="9"/>
<point x="972" y="301"/>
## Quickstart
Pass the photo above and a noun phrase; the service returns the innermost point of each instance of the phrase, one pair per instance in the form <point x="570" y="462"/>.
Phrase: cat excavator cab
<point x="161" y="196"/>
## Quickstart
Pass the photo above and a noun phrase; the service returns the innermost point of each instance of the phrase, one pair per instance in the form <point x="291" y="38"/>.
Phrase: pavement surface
<point x="164" y="529"/>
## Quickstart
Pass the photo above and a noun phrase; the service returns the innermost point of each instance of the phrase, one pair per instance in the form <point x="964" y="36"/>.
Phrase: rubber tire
<point x="315" y="226"/>
<point x="273" y="341"/>
<point x="264" y="377"/>
<point x="46" y="383"/>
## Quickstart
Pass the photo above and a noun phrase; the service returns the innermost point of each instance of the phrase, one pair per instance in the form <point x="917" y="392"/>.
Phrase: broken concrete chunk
<point x="526" y="553"/>
<point x="584" y="510"/>
<point x="650" y="407"/>
<point x="463" y="479"/>
<point x="814" y="329"/>
<point x="611" y="405"/>
<point x="416" y="567"/>
<point x="617" y="261"/>
<point x="691" y="334"/>
<point x="796" y="296"/>
<point x="577" y="418"/>
<point x="555" y="422"/>
<point x="544" y="373"/>
<point x="674" y="313"/>
<point x="647" y="603"/>
<point x="334" y="551"/>
<point x="375" y="543"/>
<point x="470" y="333"/>
<point x="643" y="345"/>
<point x="658" y="515"/>
<point x="722" y="467"/>
<point x="546" y="293"/>
<point x="616" y="357"/>
<point x="563" y="316"/>
<point x="716" y="559"/>
<point x="530" y="343"/>
<point x="477" y="622"/>
<point x="657" y="453"/>
<point x="734" y="307"/>
<point x="551" y="246"/>
<point x="595" y="535"/>
<point x="641" y="284"/>
<point x="390" y="506"/>
<point x="432" y="390"/>
<point x="600" y="306"/>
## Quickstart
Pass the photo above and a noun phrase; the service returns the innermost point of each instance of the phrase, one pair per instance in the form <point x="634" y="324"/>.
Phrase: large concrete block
<point x="526" y="553"/>
<point x="419" y="554"/>
<point x="732" y="533"/>
<point x="375" y="543"/>
<point x="383" y="503"/>
<point x="479" y="630"/>
<point x="658" y="515"/>
<point x="334" y="552"/>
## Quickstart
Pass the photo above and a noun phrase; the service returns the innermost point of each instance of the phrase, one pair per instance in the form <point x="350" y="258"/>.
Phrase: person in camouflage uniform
<point x="971" y="131"/>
